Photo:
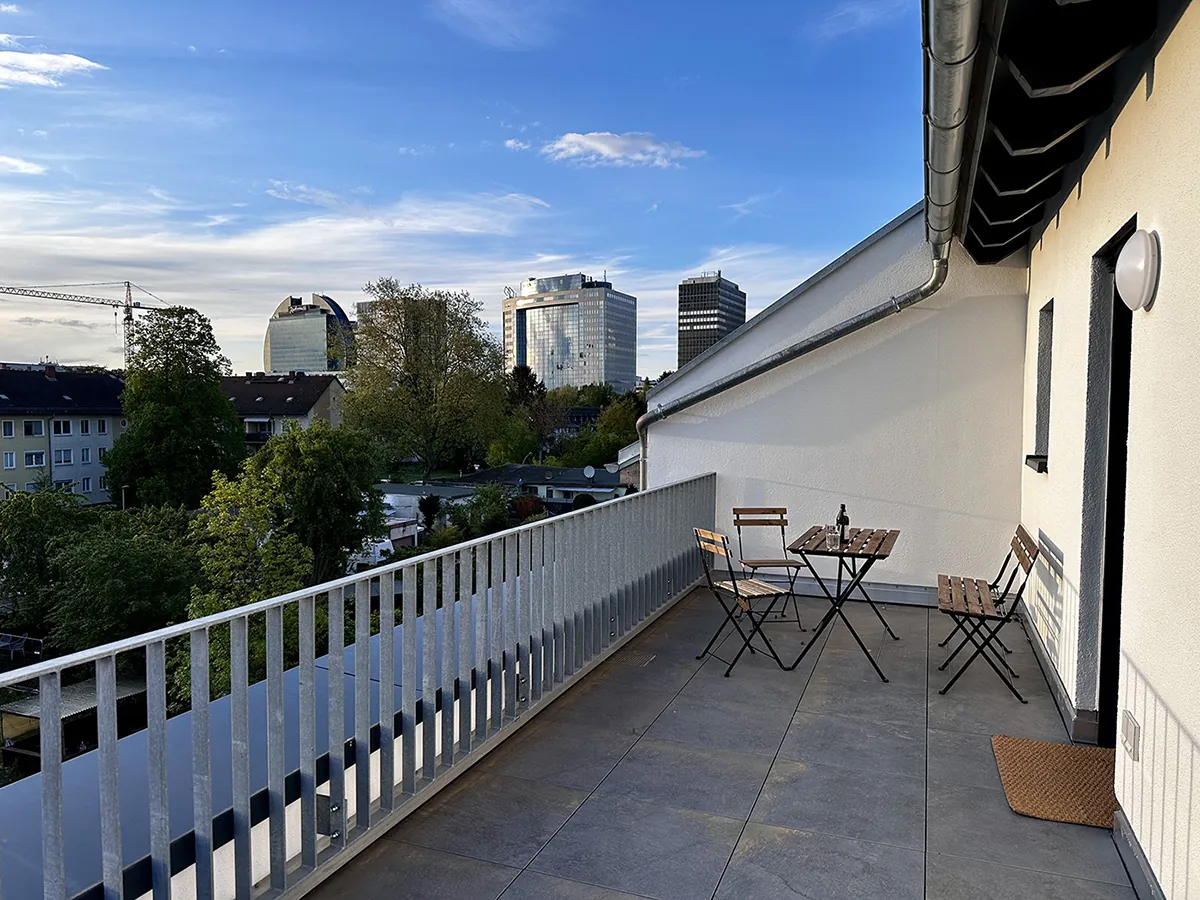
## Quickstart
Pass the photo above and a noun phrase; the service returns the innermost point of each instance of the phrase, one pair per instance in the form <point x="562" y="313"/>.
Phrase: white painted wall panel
<point x="913" y="423"/>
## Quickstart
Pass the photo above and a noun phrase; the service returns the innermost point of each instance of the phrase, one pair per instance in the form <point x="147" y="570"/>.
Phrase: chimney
<point x="51" y="372"/>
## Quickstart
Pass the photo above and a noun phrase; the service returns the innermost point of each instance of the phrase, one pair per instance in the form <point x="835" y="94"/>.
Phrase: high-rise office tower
<point x="709" y="308"/>
<point x="307" y="337"/>
<point x="572" y="330"/>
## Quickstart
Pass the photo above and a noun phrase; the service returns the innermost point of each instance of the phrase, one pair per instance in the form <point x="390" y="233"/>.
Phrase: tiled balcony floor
<point x="671" y="782"/>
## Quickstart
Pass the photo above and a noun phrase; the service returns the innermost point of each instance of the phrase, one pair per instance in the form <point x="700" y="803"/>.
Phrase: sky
<point x="226" y="154"/>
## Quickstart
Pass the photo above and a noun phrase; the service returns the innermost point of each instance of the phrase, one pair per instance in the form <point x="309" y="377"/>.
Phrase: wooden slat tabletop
<point x="861" y="543"/>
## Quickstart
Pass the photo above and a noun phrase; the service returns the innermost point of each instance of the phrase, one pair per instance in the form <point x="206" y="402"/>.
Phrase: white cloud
<point x="746" y="207"/>
<point x="10" y="40"/>
<point x="41" y="69"/>
<point x="41" y="133"/>
<point x="9" y="8"/>
<point x="20" y="166"/>
<point x="191" y="48"/>
<point x="853" y="16"/>
<point x="603" y="148"/>
<point x="514" y="144"/>
<point x="302" y="193"/>
<point x="504" y="24"/>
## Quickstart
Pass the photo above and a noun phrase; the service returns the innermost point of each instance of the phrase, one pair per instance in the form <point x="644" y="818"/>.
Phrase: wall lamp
<point x="1137" y="270"/>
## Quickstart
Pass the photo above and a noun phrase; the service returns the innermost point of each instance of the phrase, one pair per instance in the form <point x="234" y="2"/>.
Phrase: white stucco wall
<point x="913" y="423"/>
<point x="1149" y="170"/>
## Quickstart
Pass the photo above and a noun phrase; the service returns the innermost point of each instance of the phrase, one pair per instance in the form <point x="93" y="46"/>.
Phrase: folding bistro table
<point x="855" y="556"/>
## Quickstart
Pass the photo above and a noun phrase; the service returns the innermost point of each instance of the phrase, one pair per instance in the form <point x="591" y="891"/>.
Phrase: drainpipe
<point x="950" y="41"/>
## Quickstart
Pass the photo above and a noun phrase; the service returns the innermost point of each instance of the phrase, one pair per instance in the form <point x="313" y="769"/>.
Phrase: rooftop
<point x="559" y="476"/>
<point x="45" y="390"/>
<point x="275" y="394"/>
<point x="656" y="777"/>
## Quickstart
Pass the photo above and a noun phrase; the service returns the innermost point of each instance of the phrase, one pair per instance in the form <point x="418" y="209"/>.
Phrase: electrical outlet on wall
<point x="1131" y="735"/>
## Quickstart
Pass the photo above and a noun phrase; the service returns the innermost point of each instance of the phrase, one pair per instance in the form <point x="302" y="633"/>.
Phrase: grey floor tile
<point x="863" y="805"/>
<point x="851" y="666"/>
<point x="389" y="870"/>
<point x="630" y="845"/>
<point x="536" y="886"/>
<point x="900" y="704"/>
<point x="599" y="704"/>
<point x="720" y="782"/>
<point x="995" y="713"/>
<point x="756" y="682"/>
<point x="955" y="878"/>
<point x="1001" y="836"/>
<point x="772" y="863"/>
<point x="492" y="817"/>
<point x="963" y="758"/>
<point x="879" y="747"/>
<point x="574" y="756"/>
<point x="661" y="673"/>
<point x="723" y="725"/>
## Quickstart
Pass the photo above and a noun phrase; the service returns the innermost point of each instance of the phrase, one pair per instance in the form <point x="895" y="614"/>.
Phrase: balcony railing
<point x="276" y="785"/>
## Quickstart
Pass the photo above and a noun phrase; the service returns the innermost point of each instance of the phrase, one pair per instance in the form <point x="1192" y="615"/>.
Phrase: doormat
<point x="1057" y="782"/>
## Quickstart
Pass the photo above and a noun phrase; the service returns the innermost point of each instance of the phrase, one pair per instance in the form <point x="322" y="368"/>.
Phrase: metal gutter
<point x="950" y="40"/>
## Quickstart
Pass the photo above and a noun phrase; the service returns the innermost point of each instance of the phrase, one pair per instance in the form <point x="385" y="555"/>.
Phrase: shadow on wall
<point x="1055" y="608"/>
<point x="1158" y="761"/>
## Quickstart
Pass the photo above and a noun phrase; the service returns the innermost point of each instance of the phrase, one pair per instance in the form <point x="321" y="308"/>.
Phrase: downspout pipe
<point x="950" y="41"/>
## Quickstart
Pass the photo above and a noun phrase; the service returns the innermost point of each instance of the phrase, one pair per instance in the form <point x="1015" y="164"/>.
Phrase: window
<point x="62" y="426"/>
<point x="66" y="485"/>
<point x="87" y="485"/>
<point x="35" y="459"/>
<point x="12" y="486"/>
<point x="1041" y="430"/>
<point x="102" y="426"/>
<point x="34" y="428"/>
<point x="30" y="487"/>
<point x="10" y="459"/>
<point x="84" y="426"/>
<point x="85" y="455"/>
<point x="102" y="452"/>
<point x="63" y="457"/>
<point x="103" y="483"/>
<point x="9" y="428"/>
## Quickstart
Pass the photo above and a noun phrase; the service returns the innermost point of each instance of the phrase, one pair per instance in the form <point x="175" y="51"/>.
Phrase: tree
<point x="182" y="427"/>
<point x="326" y="480"/>
<point x="428" y="378"/>
<point x="32" y="527"/>
<point x="596" y="395"/>
<point x="582" y="500"/>
<point x="484" y="512"/>
<point x="244" y="557"/>
<point x="126" y="574"/>
<point x="525" y="389"/>
<point x="429" y="505"/>
<point x="514" y="441"/>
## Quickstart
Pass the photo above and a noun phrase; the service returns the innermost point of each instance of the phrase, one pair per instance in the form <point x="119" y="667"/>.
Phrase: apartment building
<point x="267" y="402"/>
<point x="59" y="422"/>
<point x="710" y="307"/>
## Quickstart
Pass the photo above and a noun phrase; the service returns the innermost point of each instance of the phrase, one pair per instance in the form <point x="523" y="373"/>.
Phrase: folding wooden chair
<point x="980" y="609"/>
<point x="742" y="592"/>
<point x="770" y="517"/>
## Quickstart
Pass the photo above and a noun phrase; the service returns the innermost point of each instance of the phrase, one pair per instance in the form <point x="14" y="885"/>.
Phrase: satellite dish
<point x="589" y="472"/>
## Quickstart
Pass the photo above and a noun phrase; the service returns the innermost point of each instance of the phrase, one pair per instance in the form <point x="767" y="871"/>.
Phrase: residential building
<point x="558" y="486"/>
<point x="1017" y="348"/>
<point x="572" y="330"/>
<point x="710" y="307"/>
<point x="307" y="337"/>
<point x="58" y="421"/>
<point x="266" y="402"/>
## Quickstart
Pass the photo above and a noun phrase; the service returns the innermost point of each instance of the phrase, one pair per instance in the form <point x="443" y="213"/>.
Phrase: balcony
<point x="551" y="735"/>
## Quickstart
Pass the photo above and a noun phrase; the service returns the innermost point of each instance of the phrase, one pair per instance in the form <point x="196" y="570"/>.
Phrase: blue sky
<point x="227" y="154"/>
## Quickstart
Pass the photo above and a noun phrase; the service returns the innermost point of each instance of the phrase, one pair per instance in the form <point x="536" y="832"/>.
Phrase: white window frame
<point x="10" y="459"/>
<point x="85" y="426"/>
<point x="85" y="455"/>
<point x="103" y="483"/>
<point x="64" y="457"/>
<point x="86" y="485"/>
<point x="62" y="427"/>
<point x="30" y="487"/>
<point x="38" y="429"/>
<point x="35" y="454"/>
<point x="9" y="428"/>
<point x="102" y="426"/>
<point x="101" y="453"/>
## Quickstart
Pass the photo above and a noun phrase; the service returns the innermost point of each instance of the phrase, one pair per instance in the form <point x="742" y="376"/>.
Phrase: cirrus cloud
<point x="20" y="166"/>
<point x="41" y="69"/>
<point x="604" y="148"/>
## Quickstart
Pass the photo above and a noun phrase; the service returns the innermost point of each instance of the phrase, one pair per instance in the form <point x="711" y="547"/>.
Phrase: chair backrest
<point x="1024" y="551"/>
<point x="761" y="517"/>
<point x="718" y="545"/>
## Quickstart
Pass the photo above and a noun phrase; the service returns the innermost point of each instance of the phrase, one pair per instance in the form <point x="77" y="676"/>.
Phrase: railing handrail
<point x="183" y="629"/>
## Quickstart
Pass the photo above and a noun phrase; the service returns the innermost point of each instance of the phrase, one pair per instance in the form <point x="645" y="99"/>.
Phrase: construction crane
<point x="128" y="304"/>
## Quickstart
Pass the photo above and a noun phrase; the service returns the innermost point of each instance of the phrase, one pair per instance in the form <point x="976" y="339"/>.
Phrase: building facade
<point x="572" y="330"/>
<point x="307" y="337"/>
<point x="58" y="422"/>
<point x="267" y="402"/>
<point x="710" y="307"/>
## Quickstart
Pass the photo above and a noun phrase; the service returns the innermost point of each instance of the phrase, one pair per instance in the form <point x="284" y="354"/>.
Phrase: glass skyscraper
<point x="306" y="337"/>
<point x="572" y="330"/>
<point x="709" y="308"/>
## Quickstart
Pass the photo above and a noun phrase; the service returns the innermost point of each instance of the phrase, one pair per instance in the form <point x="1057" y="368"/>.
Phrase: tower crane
<point x="128" y="304"/>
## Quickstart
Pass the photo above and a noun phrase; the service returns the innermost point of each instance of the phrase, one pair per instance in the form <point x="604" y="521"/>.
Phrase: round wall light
<point x="1137" y="270"/>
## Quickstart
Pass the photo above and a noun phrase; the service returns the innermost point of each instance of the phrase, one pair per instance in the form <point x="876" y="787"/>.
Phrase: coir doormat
<point x="1058" y="782"/>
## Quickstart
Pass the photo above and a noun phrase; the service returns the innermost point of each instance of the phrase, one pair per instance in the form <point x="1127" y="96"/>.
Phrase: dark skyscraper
<point x="709" y="308"/>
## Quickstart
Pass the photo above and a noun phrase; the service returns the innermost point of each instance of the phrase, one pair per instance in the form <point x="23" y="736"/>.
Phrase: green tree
<point x="244" y="557"/>
<point x="524" y="388"/>
<point x="326" y="479"/>
<point x="514" y="441"/>
<point x="126" y="574"/>
<point x="32" y="528"/>
<point x="484" y="512"/>
<point x="182" y="427"/>
<point x="596" y="395"/>
<point x="429" y="505"/>
<point x="428" y="378"/>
